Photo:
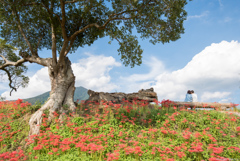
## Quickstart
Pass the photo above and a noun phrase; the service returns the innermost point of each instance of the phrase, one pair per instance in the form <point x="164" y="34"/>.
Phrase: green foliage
<point x="14" y="74"/>
<point x="122" y="134"/>
<point x="78" y="121"/>
<point x="86" y="21"/>
<point x="35" y="106"/>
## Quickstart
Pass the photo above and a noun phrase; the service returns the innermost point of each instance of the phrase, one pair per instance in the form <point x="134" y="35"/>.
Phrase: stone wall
<point x="144" y="94"/>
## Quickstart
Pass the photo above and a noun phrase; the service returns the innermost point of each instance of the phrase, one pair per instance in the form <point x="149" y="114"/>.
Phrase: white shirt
<point x="194" y="97"/>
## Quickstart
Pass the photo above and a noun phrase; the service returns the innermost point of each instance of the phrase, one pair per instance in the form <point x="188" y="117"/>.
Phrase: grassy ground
<point x="120" y="132"/>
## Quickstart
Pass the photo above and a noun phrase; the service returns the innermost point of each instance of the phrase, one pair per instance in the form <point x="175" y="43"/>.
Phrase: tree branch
<point x="117" y="14"/>
<point x="97" y="26"/>
<point x="54" y="41"/>
<point x="62" y="53"/>
<point x="54" y="46"/>
<point x="73" y="36"/>
<point x="4" y="58"/>
<point x="10" y="63"/>
<point x="50" y="11"/>
<point x="38" y="60"/>
<point x="30" y="4"/>
<point x="10" y="81"/>
<point x="70" y="45"/>
<point x="70" y="2"/>
<point x="21" y="30"/>
<point x="64" y="34"/>
<point x="39" y="40"/>
<point x="63" y="20"/>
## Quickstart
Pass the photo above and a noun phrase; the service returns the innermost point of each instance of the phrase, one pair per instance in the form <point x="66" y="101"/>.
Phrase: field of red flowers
<point x="127" y="131"/>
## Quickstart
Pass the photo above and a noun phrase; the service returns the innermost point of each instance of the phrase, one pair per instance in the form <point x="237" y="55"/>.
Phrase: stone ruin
<point x="144" y="94"/>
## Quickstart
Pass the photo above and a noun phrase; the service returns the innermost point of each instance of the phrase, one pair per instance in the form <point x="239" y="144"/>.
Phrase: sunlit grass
<point x="124" y="131"/>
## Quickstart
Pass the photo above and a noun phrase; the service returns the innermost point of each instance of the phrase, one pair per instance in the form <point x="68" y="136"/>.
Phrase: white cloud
<point x="213" y="74"/>
<point x="91" y="72"/>
<point x="156" y="66"/>
<point x="227" y="19"/>
<point x="220" y="3"/>
<point x="226" y="100"/>
<point x="204" y="14"/>
<point x="38" y="84"/>
<point x="214" y="95"/>
<point x="135" y="82"/>
<point x="215" y="69"/>
<point x="3" y="81"/>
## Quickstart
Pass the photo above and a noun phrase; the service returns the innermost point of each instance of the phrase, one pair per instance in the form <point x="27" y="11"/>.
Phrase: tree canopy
<point x="65" y="25"/>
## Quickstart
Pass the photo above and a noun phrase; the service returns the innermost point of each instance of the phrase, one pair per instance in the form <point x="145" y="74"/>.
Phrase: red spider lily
<point x="65" y="147"/>
<point x="167" y="103"/>
<point x="24" y="104"/>
<point x="129" y="150"/>
<point x="12" y="155"/>
<point x="184" y="120"/>
<point x="54" y="149"/>
<point x="122" y="146"/>
<point x="219" y="159"/>
<point x="66" y="141"/>
<point x="197" y="135"/>
<point x="233" y="119"/>
<point x="207" y="128"/>
<point x="164" y="132"/>
<point x="233" y="105"/>
<point x="19" y="101"/>
<point x="186" y="134"/>
<point x="113" y="156"/>
<point x="196" y="147"/>
<point x="120" y="133"/>
<point x="218" y="150"/>
<point x="138" y="150"/>
<point x="38" y="147"/>
<point x="93" y="147"/>
<point x="170" y="159"/>
<point x="82" y="146"/>
<point x="181" y="154"/>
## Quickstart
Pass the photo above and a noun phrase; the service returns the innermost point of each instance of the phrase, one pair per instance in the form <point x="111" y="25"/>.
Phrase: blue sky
<point x="205" y="59"/>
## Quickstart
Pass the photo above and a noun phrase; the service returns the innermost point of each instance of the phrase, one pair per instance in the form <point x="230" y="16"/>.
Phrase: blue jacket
<point x="188" y="98"/>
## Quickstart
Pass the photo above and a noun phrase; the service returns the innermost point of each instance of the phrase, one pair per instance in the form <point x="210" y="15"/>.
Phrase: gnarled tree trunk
<point x="62" y="91"/>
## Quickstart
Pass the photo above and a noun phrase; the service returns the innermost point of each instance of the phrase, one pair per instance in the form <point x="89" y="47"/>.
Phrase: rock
<point x="148" y="95"/>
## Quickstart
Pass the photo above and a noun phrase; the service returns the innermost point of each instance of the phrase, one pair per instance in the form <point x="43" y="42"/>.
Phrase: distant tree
<point x="2" y="98"/>
<point x="65" y="25"/>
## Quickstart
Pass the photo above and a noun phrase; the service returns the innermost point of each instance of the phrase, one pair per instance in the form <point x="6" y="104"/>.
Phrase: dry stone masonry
<point x="144" y="94"/>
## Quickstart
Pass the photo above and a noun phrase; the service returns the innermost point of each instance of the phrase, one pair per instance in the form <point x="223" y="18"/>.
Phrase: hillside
<point x="80" y="94"/>
<point x="131" y="132"/>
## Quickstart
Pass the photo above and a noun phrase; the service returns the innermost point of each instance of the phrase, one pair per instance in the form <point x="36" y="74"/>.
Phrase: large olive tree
<point x="63" y="26"/>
